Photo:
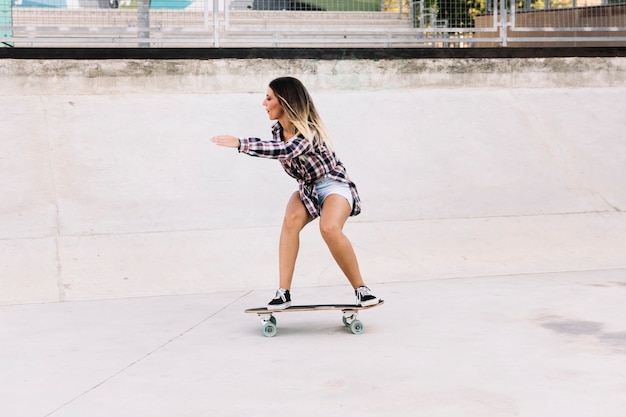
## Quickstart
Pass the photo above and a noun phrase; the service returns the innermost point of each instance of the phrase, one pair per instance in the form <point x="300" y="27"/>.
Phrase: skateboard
<point x="350" y="313"/>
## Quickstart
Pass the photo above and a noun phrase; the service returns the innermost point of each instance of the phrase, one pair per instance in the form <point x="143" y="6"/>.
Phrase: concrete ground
<point x="493" y="227"/>
<point x="529" y="345"/>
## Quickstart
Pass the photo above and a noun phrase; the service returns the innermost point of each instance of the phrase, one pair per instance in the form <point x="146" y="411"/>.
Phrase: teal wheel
<point x="273" y="320"/>
<point x="269" y="329"/>
<point x="345" y="322"/>
<point x="357" y="327"/>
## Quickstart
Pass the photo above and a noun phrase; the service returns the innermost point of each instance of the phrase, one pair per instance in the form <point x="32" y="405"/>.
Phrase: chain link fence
<point x="311" y="23"/>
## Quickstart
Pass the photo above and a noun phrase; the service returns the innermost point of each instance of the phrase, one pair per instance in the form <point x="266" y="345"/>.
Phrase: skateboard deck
<point x="350" y="313"/>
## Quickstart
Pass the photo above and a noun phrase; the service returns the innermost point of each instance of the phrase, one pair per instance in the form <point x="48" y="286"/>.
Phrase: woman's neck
<point x="289" y="130"/>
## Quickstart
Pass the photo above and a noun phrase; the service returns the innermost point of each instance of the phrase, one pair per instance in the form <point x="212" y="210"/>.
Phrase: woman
<point x="301" y="144"/>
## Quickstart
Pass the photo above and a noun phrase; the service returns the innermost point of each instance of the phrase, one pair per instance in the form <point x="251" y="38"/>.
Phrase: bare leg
<point x="335" y="212"/>
<point x="296" y="217"/>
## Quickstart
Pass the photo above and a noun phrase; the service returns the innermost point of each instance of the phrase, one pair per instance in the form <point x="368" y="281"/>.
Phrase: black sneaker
<point x="281" y="301"/>
<point x="364" y="297"/>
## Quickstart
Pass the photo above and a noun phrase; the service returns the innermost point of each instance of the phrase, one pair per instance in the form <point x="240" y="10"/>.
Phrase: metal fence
<point x="312" y="23"/>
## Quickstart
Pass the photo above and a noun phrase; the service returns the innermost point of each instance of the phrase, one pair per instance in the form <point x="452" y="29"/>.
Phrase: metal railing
<point x="311" y="23"/>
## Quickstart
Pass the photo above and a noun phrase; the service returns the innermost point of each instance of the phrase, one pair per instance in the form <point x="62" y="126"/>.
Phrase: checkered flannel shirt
<point x="304" y="161"/>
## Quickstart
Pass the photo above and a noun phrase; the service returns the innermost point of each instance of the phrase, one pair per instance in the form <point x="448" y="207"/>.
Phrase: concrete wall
<point x="218" y="76"/>
<point x="474" y="167"/>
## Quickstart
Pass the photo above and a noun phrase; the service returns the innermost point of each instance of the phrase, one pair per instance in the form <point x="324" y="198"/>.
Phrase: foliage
<point x="346" y="5"/>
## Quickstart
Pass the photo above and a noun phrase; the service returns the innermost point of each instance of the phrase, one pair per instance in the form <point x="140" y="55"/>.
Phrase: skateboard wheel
<point x="345" y="322"/>
<point x="273" y="320"/>
<point x="269" y="329"/>
<point x="357" y="327"/>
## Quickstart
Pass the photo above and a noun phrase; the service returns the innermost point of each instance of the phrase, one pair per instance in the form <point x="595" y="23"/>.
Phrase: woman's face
<point x="274" y="110"/>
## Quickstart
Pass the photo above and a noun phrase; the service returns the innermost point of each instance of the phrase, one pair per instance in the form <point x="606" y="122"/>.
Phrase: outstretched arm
<point x="265" y="149"/>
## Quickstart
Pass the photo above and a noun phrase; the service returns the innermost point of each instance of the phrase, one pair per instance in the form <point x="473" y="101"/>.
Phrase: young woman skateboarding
<point x="302" y="146"/>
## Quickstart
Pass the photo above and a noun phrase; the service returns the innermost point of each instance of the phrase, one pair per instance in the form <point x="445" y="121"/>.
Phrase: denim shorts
<point x="327" y="186"/>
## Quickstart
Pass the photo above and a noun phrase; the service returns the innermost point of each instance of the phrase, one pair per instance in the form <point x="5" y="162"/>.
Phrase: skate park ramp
<point x="112" y="188"/>
<point x="493" y="227"/>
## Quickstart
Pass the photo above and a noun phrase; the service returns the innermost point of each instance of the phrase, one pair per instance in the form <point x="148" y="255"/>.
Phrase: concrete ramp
<point x="121" y="194"/>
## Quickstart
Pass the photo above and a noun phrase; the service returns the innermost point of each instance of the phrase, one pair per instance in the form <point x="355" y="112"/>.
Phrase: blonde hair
<point x="298" y="105"/>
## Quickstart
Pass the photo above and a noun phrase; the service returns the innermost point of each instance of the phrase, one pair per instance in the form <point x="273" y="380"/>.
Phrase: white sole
<point x="369" y="303"/>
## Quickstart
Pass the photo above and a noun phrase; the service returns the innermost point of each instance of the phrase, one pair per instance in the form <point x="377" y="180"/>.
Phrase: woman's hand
<point x="226" y="140"/>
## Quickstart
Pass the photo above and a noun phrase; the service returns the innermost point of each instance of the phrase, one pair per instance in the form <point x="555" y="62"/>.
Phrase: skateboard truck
<point x="269" y="324"/>
<point x="350" y="320"/>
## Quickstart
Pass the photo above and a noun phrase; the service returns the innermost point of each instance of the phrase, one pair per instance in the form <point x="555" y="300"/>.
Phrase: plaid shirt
<point x="305" y="162"/>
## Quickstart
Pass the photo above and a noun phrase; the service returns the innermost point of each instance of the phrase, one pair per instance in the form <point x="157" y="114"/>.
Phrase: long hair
<point x="298" y="105"/>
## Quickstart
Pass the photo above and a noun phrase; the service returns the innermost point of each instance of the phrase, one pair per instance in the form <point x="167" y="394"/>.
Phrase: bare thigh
<point x="335" y="213"/>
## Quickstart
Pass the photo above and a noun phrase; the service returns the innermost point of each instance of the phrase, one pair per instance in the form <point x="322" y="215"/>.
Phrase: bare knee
<point x="294" y="221"/>
<point x="296" y="216"/>
<point x="330" y="231"/>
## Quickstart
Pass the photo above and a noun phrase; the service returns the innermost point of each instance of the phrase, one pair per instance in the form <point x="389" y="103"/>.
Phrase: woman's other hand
<point x="226" y="140"/>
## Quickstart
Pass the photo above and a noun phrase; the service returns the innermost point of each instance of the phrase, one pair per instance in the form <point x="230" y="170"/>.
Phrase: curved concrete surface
<point x="118" y="195"/>
<point x="493" y="226"/>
